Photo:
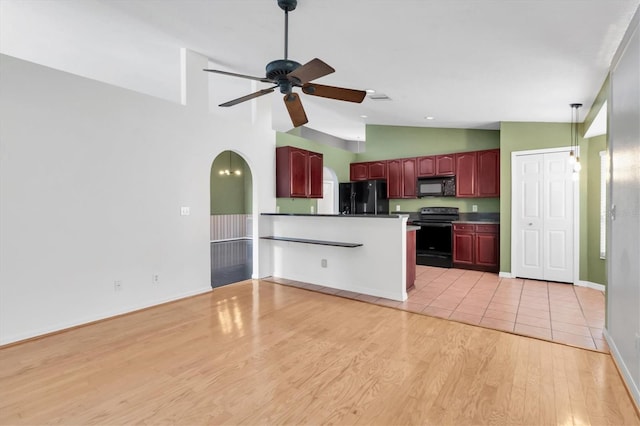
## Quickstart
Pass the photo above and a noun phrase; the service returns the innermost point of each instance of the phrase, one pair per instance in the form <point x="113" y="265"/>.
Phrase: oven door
<point x="434" y="244"/>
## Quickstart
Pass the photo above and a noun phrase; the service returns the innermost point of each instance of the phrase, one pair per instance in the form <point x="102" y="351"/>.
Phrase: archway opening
<point x="231" y="219"/>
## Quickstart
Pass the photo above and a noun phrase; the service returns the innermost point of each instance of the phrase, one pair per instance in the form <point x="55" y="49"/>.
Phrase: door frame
<point x="576" y="211"/>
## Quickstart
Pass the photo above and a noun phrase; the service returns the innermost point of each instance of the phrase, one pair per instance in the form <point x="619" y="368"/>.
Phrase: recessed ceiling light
<point x="429" y="117"/>
<point x="363" y="116"/>
<point x="370" y="91"/>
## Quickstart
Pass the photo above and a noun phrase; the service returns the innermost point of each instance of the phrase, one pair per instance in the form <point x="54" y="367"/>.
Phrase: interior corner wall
<point x="92" y="181"/>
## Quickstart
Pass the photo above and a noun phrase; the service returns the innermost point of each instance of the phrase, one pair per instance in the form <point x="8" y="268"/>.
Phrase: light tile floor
<point x="557" y="312"/>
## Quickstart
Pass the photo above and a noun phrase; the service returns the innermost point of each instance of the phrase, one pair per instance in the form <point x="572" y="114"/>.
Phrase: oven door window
<point x="434" y="238"/>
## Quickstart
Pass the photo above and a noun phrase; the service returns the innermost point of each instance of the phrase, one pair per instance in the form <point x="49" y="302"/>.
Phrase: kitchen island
<point x="360" y="253"/>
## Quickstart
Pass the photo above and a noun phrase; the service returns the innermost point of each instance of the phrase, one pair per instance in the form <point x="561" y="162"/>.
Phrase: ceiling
<point x="466" y="63"/>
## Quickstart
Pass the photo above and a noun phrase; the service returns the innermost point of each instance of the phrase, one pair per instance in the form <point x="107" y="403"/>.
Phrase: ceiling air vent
<point x="379" y="97"/>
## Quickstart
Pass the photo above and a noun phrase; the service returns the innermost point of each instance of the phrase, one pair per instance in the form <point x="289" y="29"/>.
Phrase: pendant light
<point x="574" y="157"/>
<point x="227" y="171"/>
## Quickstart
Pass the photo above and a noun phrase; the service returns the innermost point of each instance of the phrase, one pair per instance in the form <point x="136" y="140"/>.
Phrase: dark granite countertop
<point x="378" y="216"/>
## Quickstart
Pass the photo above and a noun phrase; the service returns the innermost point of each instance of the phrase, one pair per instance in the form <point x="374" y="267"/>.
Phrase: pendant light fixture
<point x="227" y="171"/>
<point x="574" y="157"/>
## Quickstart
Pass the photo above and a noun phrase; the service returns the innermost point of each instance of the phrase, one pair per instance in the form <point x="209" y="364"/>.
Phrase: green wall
<point x="230" y="194"/>
<point x="596" y="267"/>
<point x="387" y="142"/>
<point x="518" y="136"/>
<point x="334" y="158"/>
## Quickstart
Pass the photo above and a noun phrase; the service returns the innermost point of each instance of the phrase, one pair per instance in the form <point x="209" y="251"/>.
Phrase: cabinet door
<point x="463" y="247"/>
<point x="377" y="170"/>
<point x="445" y="165"/>
<point x="358" y="171"/>
<point x="394" y="179"/>
<point x="466" y="174"/>
<point x="411" y="259"/>
<point x="426" y="166"/>
<point x="487" y="250"/>
<point x="315" y="175"/>
<point x="488" y="182"/>
<point x="298" y="166"/>
<point x="409" y="178"/>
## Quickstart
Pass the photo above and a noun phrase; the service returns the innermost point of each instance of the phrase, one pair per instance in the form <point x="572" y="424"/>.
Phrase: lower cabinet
<point x="411" y="259"/>
<point x="475" y="246"/>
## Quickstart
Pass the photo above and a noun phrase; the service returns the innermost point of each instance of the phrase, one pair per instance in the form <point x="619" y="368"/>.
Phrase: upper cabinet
<point x="298" y="173"/>
<point x="436" y="165"/>
<point x="368" y="170"/>
<point x="401" y="178"/>
<point x="478" y="174"/>
<point x="489" y="173"/>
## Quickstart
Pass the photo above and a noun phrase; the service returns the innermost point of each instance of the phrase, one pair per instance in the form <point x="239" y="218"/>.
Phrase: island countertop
<point x="376" y="216"/>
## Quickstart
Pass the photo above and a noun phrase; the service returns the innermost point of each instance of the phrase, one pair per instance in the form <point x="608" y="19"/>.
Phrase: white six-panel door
<point x="543" y="216"/>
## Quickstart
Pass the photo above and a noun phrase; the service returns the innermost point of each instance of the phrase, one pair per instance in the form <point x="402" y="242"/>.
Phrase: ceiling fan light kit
<point x="286" y="74"/>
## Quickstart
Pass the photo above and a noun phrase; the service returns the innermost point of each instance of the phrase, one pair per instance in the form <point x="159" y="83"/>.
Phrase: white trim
<point x="506" y="275"/>
<point x="622" y="368"/>
<point x="589" y="284"/>
<point x="576" y="210"/>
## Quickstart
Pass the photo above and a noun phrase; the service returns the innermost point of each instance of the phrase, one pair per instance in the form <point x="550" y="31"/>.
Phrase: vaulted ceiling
<point x="465" y="63"/>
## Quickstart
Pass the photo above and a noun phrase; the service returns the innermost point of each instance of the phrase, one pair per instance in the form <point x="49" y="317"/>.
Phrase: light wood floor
<point x="263" y="353"/>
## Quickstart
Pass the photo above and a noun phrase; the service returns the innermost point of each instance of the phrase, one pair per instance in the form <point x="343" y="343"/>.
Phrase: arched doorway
<point x="231" y="220"/>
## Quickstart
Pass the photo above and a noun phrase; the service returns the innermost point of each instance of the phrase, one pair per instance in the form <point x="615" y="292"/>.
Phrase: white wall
<point x="92" y="178"/>
<point x="377" y="268"/>
<point x="623" y="252"/>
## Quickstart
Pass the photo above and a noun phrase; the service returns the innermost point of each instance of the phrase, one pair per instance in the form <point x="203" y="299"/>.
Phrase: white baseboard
<point x="595" y="286"/>
<point x="622" y="367"/>
<point x="506" y="275"/>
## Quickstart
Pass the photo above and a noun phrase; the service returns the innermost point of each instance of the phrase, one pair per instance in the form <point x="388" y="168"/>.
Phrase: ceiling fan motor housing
<point x="287" y="5"/>
<point x="277" y="70"/>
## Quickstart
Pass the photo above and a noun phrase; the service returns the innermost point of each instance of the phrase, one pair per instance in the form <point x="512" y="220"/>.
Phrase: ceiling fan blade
<point x="339" y="93"/>
<point x="296" y="111"/>
<point x="313" y="69"/>
<point x="233" y="74"/>
<point x="248" y="97"/>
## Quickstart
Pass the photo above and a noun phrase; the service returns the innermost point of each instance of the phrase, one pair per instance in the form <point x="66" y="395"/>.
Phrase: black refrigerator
<point x="364" y="197"/>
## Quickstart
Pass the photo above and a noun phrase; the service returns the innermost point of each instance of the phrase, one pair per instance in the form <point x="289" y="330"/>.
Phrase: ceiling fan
<point x="287" y="74"/>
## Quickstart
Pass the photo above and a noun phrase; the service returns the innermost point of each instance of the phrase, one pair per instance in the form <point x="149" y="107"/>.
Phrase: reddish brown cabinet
<point x="445" y="165"/>
<point x="426" y="166"/>
<point x="368" y="170"/>
<point x="488" y="182"/>
<point x="436" y="165"/>
<point x="411" y="259"/>
<point x="298" y="173"/>
<point x="478" y="174"/>
<point x="475" y="246"/>
<point x="401" y="178"/>
<point x="466" y="173"/>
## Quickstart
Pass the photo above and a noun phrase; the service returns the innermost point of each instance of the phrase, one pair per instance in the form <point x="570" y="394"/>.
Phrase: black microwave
<point x="436" y="187"/>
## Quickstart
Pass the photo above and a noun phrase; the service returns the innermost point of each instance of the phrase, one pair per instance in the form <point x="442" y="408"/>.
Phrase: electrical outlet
<point x="397" y="207"/>
<point x="313" y="209"/>
<point x="474" y="208"/>
<point x="117" y="285"/>
<point x="155" y="279"/>
<point x="185" y="211"/>
<point x="323" y="263"/>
